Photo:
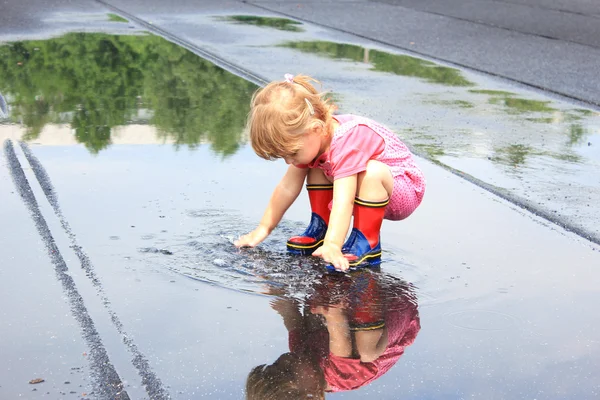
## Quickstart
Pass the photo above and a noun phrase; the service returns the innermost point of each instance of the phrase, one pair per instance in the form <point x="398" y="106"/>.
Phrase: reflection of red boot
<point x="305" y="244"/>
<point x="367" y="308"/>
<point x="331" y="290"/>
<point x="362" y="247"/>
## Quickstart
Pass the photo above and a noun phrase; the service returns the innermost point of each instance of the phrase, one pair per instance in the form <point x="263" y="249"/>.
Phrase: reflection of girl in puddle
<point x="351" y="331"/>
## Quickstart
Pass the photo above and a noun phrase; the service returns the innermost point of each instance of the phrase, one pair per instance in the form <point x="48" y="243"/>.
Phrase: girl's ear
<point x="319" y="129"/>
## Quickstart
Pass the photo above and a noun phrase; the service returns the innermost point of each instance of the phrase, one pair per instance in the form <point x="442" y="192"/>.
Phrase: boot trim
<point x="369" y="326"/>
<point x="372" y="204"/>
<point x="370" y="258"/>
<point x="297" y="242"/>
<point x="320" y="187"/>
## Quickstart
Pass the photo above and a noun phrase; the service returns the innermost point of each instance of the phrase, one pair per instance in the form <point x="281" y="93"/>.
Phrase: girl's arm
<point x="288" y="309"/>
<point x="344" y="191"/>
<point x="340" y="341"/>
<point x="284" y="195"/>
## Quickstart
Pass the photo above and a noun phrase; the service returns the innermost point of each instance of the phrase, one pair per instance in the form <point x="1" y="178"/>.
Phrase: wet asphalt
<point x="113" y="278"/>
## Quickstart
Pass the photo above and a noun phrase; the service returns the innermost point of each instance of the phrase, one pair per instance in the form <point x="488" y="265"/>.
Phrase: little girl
<point x="352" y="166"/>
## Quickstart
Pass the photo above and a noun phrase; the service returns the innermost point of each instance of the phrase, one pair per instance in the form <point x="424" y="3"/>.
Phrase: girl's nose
<point x="288" y="160"/>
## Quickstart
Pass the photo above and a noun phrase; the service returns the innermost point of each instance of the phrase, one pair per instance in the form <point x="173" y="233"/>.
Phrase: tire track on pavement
<point x="106" y="381"/>
<point x="151" y="382"/>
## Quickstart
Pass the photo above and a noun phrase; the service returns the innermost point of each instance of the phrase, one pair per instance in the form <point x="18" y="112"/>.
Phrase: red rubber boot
<point x="367" y="308"/>
<point x="362" y="247"/>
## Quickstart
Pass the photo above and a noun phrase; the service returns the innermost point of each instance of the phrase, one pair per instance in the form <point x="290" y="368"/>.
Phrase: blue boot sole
<point x="358" y="244"/>
<point x="371" y="259"/>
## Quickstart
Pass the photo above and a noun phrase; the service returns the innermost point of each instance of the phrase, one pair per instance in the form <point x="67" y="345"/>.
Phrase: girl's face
<point x="311" y="147"/>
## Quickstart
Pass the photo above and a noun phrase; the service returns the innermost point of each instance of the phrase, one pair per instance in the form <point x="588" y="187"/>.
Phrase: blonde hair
<point x="282" y="112"/>
<point x="267" y="382"/>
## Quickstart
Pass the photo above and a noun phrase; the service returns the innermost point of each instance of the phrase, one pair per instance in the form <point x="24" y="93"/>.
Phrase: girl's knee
<point x="377" y="174"/>
<point x="378" y="171"/>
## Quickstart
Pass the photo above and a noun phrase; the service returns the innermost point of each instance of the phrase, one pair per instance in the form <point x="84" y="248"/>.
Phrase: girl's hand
<point x="253" y="238"/>
<point x="285" y="307"/>
<point x="332" y="313"/>
<point x="332" y="254"/>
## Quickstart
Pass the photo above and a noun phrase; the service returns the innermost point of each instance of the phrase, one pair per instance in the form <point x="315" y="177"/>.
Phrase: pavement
<point x="118" y="278"/>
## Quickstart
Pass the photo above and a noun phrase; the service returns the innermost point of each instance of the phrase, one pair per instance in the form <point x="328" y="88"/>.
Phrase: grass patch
<point x="397" y="64"/>
<point x="584" y="112"/>
<point x="492" y="92"/>
<point x="451" y="103"/>
<point x="541" y="120"/>
<point x="568" y="157"/>
<point x="432" y="151"/>
<point x="282" y="24"/>
<point x="517" y="105"/>
<point x="116" y="18"/>
<point x="513" y="155"/>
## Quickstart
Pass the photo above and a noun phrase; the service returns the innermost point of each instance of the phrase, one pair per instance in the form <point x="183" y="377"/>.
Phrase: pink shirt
<point x="349" y="373"/>
<point x="350" y="153"/>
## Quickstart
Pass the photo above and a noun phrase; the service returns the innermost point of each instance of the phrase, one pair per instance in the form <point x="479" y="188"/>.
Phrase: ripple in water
<point x="209" y="256"/>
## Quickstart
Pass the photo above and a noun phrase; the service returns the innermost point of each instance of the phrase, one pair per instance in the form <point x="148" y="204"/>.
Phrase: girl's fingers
<point x="244" y="241"/>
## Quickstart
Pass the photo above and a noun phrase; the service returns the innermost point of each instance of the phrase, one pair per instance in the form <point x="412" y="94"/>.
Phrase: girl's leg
<point x="320" y="194"/>
<point x="376" y="183"/>
<point x="366" y="316"/>
<point x="370" y="344"/>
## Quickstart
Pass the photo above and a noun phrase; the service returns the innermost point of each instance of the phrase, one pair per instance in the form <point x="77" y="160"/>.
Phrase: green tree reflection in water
<point x="96" y="82"/>
<point x="385" y="62"/>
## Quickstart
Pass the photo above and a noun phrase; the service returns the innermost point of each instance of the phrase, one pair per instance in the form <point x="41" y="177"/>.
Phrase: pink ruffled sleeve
<point x="351" y="152"/>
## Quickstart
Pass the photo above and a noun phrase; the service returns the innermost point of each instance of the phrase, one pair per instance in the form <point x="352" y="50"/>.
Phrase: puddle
<point x="207" y="255"/>
<point x="190" y="298"/>
<point x="482" y="320"/>
<point x="98" y="89"/>
<point x="310" y="302"/>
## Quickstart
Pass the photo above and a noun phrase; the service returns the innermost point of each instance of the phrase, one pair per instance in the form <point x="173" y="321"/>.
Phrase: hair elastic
<point x="310" y="107"/>
<point x="289" y="78"/>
